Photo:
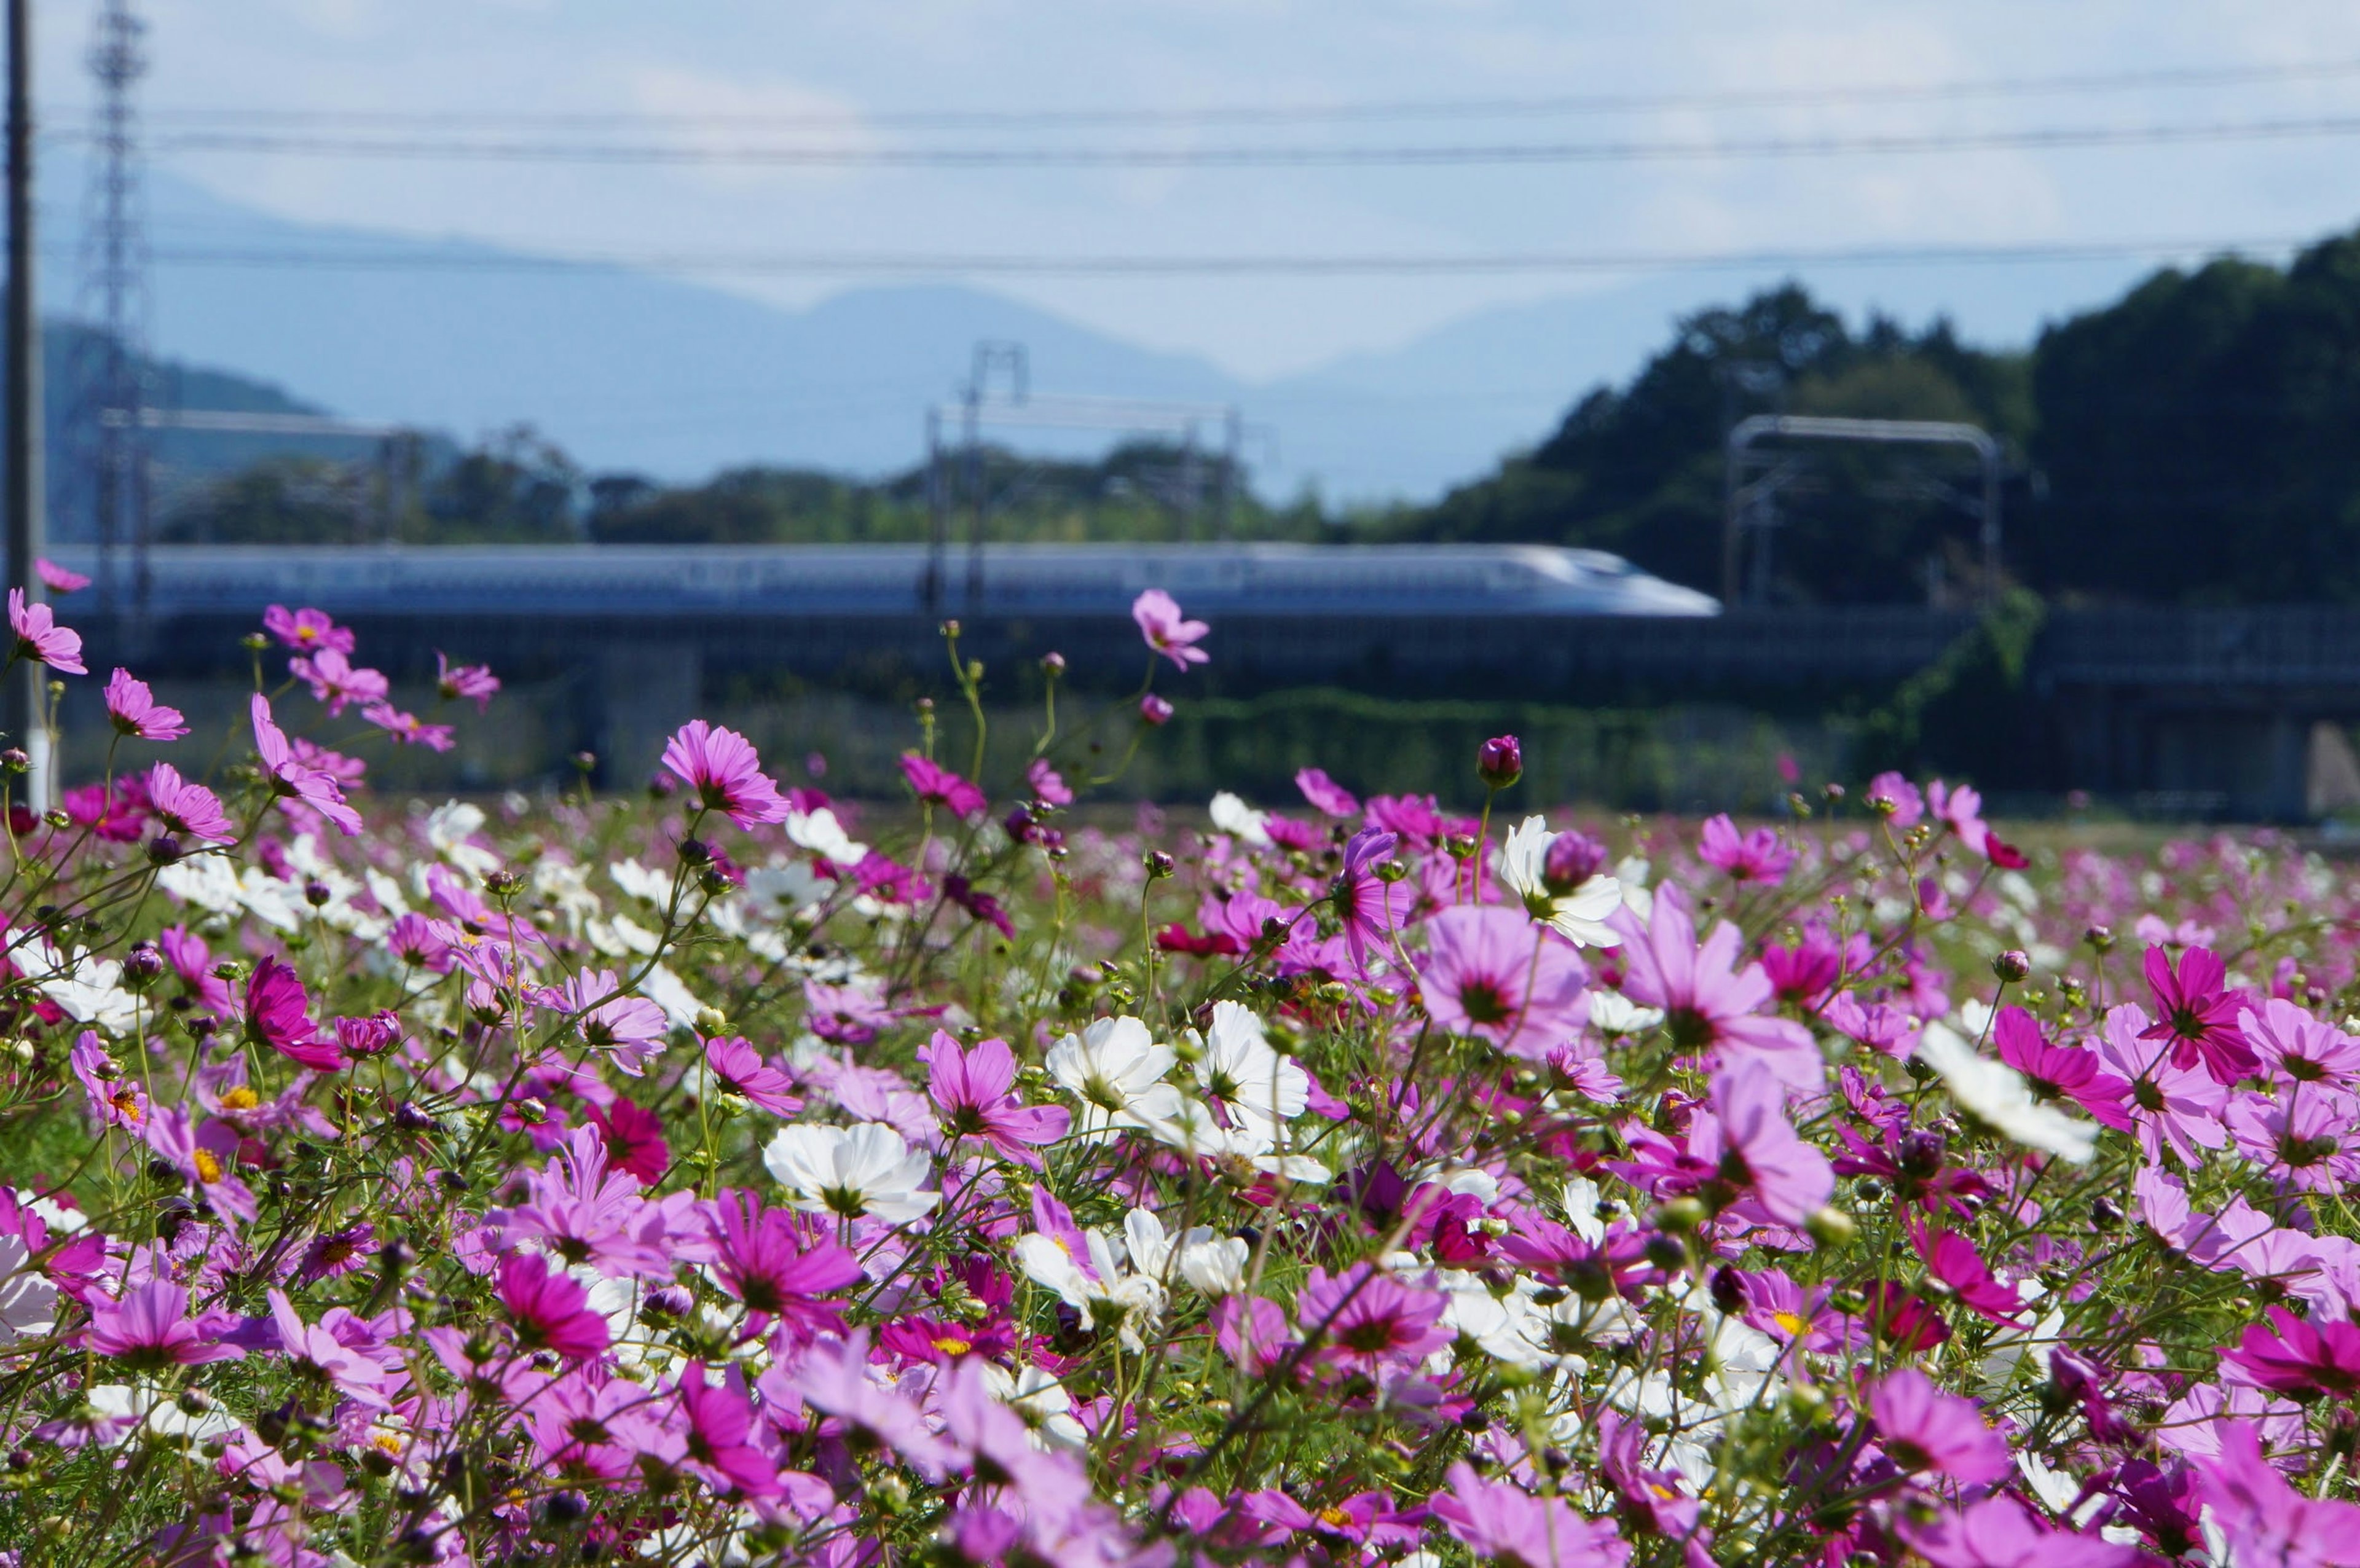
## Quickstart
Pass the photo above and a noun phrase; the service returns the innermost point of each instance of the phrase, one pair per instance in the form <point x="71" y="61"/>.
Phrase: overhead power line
<point x="913" y="263"/>
<point x="1308" y="113"/>
<point x="1253" y="156"/>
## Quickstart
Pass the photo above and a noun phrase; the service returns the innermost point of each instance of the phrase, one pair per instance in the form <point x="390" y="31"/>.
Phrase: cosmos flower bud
<point x="1573" y="858"/>
<point x="1053" y="664"/>
<point x="1500" y="762"/>
<point x="2012" y="965"/>
<point x="142" y="964"/>
<point x="163" y="849"/>
<point x="15" y="760"/>
<point x="1159" y="864"/>
<point x="1154" y="710"/>
<point x="1830" y="1226"/>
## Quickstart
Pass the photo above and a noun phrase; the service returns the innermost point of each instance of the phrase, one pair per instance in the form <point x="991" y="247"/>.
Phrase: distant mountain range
<point x="631" y="371"/>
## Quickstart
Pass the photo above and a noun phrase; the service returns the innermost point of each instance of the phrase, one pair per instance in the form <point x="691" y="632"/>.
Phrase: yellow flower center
<point x="209" y="1169"/>
<point x="1793" y="1323"/>
<point x="1333" y="1518"/>
<point x="951" y="1344"/>
<point x="240" y="1099"/>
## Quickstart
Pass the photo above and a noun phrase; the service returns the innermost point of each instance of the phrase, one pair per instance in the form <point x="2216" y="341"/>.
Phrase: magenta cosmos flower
<point x="1925" y="1429"/>
<point x="1499" y="1520"/>
<point x="1362" y="902"/>
<point x="1707" y="1000"/>
<point x="190" y="809"/>
<point x="135" y="713"/>
<point x="306" y="630"/>
<point x="931" y="782"/>
<point x="474" y="682"/>
<point x="974" y="1090"/>
<point x="41" y="639"/>
<point x="1160" y="623"/>
<point x="57" y="578"/>
<point x="548" y="1311"/>
<point x="278" y="1015"/>
<point x="1489" y="970"/>
<point x="1756" y="856"/>
<point x="725" y="771"/>
<point x="337" y="680"/>
<point x="1326" y="795"/>
<point x="292" y="780"/>
<point x="768" y="1261"/>
<point x="2295" y="1356"/>
<point x="738" y="1068"/>
<point x="149" y="1329"/>
<point x="1365" y="1316"/>
<point x="2000" y="1532"/>
<point x="2199" y="1013"/>
<point x="1756" y="1147"/>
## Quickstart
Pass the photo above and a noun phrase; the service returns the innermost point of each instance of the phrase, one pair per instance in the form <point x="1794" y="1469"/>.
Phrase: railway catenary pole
<point x="22" y="714"/>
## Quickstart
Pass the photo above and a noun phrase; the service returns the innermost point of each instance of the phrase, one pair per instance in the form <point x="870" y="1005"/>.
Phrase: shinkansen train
<point x="1015" y="580"/>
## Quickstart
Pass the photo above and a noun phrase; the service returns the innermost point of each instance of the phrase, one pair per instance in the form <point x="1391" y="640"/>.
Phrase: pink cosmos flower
<point x="1326" y="795"/>
<point x="337" y="680"/>
<point x="206" y="1157"/>
<point x="834" y="1380"/>
<point x="306" y="630"/>
<point x="777" y="1265"/>
<point x="1366" y="1317"/>
<point x="850" y="1014"/>
<point x="1363" y="904"/>
<point x="115" y="1098"/>
<point x="149" y="1329"/>
<point x="1756" y="856"/>
<point x="1707" y="1000"/>
<point x="408" y="728"/>
<point x="724" y="770"/>
<point x="457" y="681"/>
<point x="293" y="781"/>
<point x="548" y="1310"/>
<point x="1960" y="808"/>
<point x="2199" y="1013"/>
<point x="630" y="1029"/>
<point x="57" y="578"/>
<point x="1999" y="1532"/>
<point x="717" y="1422"/>
<point x="2306" y="1139"/>
<point x="932" y="782"/>
<point x="136" y="711"/>
<point x="1046" y="783"/>
<point x="739" y="1069"/>
<point x="634" y="1136"/>
<point x="2261" y="1518"/>
<point x="577" y="1210"/>
<point x="974" y="1090"/>
<point x="312" y="1349"/>
<point x="1909" y="806"/>
<point x="1154" y="710"/>
<point x="1925" y="1429"/>
<point x="2056" y="1072"/>
<point x="114" y="817"/>
<point x="278" y="1015"/>
<point x="1952" y="1258"/>
<point x="2171" y="1108"/>
<point x="41" y="639"/>
<point x="2293" y="1355"/>
<point x="2297" y="1048"/>
<point x="1499" y="1520"/>
<point x="1489" y="970"/>
<point x="1159" y="621"/>
<point x="1756" y="1147"/>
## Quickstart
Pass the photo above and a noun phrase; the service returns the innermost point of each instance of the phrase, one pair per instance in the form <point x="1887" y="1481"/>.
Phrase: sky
<point x="658" y="73"/>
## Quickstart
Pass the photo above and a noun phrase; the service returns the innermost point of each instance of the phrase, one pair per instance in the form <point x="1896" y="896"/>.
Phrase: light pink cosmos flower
<point x="115" y="1098"/>
<point x="408" y="728"/>
<point x="1047" y="784"/>
<point x="1756" y="856"/>
<point x="1707" y="1000"/>
<point x="2296" y="1048"/>
<point x="725" y="771"/>
<point x="306" y="630"/>
<point x="337" y="680"/>
<point x="1498" y="1520"/>
<point x="630" y="1029"/>
<point x="1365" y="1317"/>
<point x="1908" y="805"/>
<point x="190" y="809"/>
<point x="2172" y="1108"/>
<point x="1754" y="1143"/>
<point x="2000" y="1532"/>
<point x="58" y="579"/>
<point x="149" y="1329"/>
<point x="1159" y="620"/>
<point x="135" y="713"/>
<point x="1489" y="970"/>
<point x="293" y="781"/>
<point x="455" y="681"/>
<point x="739" y="1069"/>
<point x="312" y="1349"/>
<point x="1925" y="1429"/>
<point x="2261" y="1518"/>
<point x="2304" y="1139"/>
<point x="578" y="1210"/>
<point x="1362" y="902"/>
<point x="975" y="1090"/>
<point x="41" y="639"/>
<point x="1326" y="795"/>
<point x="1960" y="808"/>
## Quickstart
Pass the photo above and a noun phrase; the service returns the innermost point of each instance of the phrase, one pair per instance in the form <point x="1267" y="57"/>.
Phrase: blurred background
<point x="1721" y="395"/>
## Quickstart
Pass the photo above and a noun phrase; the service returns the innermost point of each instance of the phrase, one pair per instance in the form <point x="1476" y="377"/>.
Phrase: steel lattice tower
<point x="115" y="299"/>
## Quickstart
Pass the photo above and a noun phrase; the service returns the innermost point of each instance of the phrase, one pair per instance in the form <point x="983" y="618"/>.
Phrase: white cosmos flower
<point x="1249" y="1136"/>
<point x="1237" y="819"/>
<point x="776" y="893"/>
<point x="1042" y="1400"/>
<point x="1236" y="1063"/>
<point x="642" y="882"/>
<point x="1995" y="1093"/>
<point x="1577" y="913"/>
<point x="28" y="1302"/>
<point x="1116" y="1068"/>
<point x="862" y="1169"/>
<point x="449" y="829"/>
<point x="820" y="832"/>
<point x="1102" y="1285"/>
<point x="1612" y="1012"/>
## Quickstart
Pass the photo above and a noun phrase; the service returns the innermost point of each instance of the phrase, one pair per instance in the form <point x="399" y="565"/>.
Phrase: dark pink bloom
<point x="278" y="1015"/>
<point x="1757" y="1147"/>
<point x="2298" y="1048"/>
<point x="2199" y="1013"/>
<point x="1047" y="784"/>
<point x="1367" y="1317"/>
<point x="1707" y="1000"/>
<point x="1952" y="1258"/>
<point x="136" y="711"/>
<point x="1999" y="1532"/>
<point x="1925" y="1429"/>
<point x="150" y="1329"/>
<point x="57" y="578"/>
<point x="114" y="818"/>
<point x="1159" y="622"/>
<point x="455" y="681"/>
<point x="2293" y="1355"/>
<point x="41" y="639"/>
<point x="1154" y="710"/>
<point x="1363" y="903"/>
<point x="1909" y="806"/>
<point x="635" y="1139"/>
<point x="408" y="728"/>
<point x="1960" y="808"/>
<point x="2057" y="1072"/>
<point x="550" y="1312"/>
<point x="293" y="781"/>
<point x="1756" y="856"/>
<point x="769" y="1260"/>
<point x="2261" y="1518"/>
<point x="718" y="1422"/>
<point x="337" y="680"/>
<point x="306" y="630"/>
<point x="724" y="770"/>
<point x="1499" y="1520"/>
<point x="1490" y="971"/>
<point x="1325" y="794"/>
<point x="978" y="904"/>
<point x="974" y="1090"/>
<point x="930" y="781"/>
<point x="740" y="1069"/>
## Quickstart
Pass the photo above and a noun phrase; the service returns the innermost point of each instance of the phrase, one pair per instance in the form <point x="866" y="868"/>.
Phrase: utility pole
<point x="114" y="277"/>
<point x="24" y="705"/>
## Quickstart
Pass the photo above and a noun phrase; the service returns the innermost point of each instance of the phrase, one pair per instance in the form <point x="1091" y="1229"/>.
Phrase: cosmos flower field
<point x="725" y="1174"/>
